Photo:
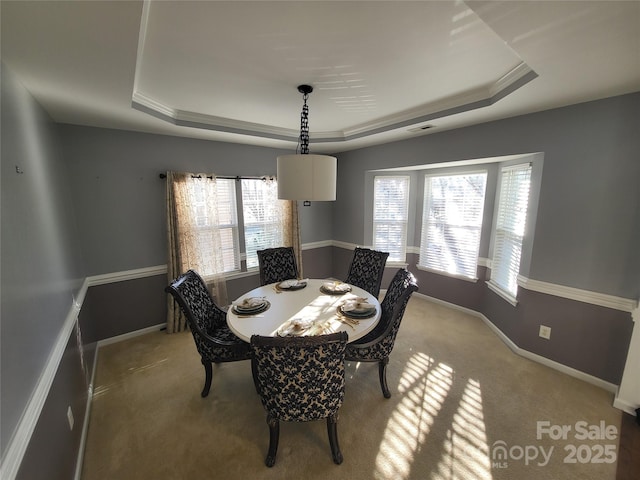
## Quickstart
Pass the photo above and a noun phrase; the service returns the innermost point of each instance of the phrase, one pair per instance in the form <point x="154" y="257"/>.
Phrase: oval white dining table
<point x="307" y="304"/>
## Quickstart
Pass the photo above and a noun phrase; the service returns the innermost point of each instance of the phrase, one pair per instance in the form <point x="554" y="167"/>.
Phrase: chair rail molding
<point x="19" y="441"/>
<point x="126" y="275"/>
<point x="586" y="296"/>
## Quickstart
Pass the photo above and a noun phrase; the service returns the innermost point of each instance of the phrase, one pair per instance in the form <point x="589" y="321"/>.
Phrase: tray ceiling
<point x="381" y="71"/>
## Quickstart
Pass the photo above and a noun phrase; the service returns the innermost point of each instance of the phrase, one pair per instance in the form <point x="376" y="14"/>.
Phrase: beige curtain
<point x="291" y="230"/>
<point x="193" y="237"/>
<point x="260" y="199"/>
<point x="287" y="213"/>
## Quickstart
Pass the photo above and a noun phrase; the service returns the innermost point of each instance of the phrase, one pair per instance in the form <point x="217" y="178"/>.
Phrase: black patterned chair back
<point x="277" y="264"/>
<point x="300" y="378"/>
<point x="207" y="322"/>
<point x="394" y="304"/>
<point x="380" y="341"/>
<point x="376" y="345"/>
<point x="366" y="269"/>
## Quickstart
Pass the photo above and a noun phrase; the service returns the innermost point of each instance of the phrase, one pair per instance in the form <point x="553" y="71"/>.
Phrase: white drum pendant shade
<point x="307" y="177"/>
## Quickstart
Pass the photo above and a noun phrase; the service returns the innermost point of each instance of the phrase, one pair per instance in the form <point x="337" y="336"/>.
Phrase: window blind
<point x="510" y="227"/>
<point x="262" y="218"/>
<point x="452" y="222"/>
<point x="228" y="223"/>
<point x="390" y="215"/>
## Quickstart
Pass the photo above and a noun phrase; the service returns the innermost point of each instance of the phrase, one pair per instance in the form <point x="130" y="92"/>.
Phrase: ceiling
<point x="381" y="70"/>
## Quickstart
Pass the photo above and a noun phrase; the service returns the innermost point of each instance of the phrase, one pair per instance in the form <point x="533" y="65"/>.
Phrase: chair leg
<point x="208" y="372"/>
<point x="254" y="374"/>
<point x="382" y="371"/>
<point x="332" y="430"/>
<point x="274" y="437"/>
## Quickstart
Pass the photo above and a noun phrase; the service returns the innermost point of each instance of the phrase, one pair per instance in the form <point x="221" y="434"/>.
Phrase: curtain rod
<point x="237" y="178"/>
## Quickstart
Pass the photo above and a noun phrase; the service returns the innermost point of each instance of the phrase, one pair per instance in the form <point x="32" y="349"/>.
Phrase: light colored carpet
<point x="458" y="395"/>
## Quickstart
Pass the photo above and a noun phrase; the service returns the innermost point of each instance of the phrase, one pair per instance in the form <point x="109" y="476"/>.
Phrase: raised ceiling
<point x="381" y="71"/>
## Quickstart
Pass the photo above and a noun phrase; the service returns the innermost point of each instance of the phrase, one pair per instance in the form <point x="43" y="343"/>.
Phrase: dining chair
<point x="277" y="264"/>
<point x="300" y="379"/>
<point x="376" y="346"/>
<point x="208" y="324"/>
<point x="366" y="269"/>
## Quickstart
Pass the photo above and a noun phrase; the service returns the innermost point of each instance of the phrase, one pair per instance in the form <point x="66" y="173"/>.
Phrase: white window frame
<point x="391" y="219"/>
<point x="502" y="282"/>
<point x="475" y="226"/>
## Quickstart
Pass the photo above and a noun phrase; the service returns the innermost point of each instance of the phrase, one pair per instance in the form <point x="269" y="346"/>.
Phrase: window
<point x="511" y="220"/>
<point x="390" y="216"/>
<point x="208" y="213"/>
<point x="263" y="217"/>
<point x="451" y="223"/>
<point x="228" y="223"/>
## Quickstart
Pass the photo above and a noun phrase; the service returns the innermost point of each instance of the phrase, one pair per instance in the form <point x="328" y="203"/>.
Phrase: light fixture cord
<point x="304" y="126"/>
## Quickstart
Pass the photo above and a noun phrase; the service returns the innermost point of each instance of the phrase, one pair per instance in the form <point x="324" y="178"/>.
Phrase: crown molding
<point x="520" y="75"/>
<point x="465" y="101"/>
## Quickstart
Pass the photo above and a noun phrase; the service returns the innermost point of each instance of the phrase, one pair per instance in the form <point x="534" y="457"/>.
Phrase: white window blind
<point x="390" y="216"/>
<point x="228" y="223"/>
<point x="262" y="217"/>
<point x="510" y="227"/>
<point x="452" y="222"/>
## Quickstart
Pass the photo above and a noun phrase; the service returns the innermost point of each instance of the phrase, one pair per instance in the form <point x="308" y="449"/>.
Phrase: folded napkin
<point x="249" y="302"/>
<point x="357" y="304"/>
<point x="336" y="286"/>
<point x="295" y="326"/>
<point x="292" y="283"/>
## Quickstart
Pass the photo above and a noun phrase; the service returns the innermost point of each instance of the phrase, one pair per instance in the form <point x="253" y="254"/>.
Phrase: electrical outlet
<point x="545" y="332"/>
<point x="70" y="417"/>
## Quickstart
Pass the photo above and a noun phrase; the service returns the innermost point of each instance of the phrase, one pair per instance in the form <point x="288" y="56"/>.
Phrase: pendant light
<point x="304" y="176"/>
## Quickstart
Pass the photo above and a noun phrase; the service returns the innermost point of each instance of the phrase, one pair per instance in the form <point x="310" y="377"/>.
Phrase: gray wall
<point x="588" y="224"/>
<point x="41" y="254"/>
<point x="120" y="202"/>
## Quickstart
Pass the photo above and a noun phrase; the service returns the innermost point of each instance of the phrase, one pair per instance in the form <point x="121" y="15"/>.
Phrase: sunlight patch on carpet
<point x="466" y="453"/>
<point x="424" y="387"/>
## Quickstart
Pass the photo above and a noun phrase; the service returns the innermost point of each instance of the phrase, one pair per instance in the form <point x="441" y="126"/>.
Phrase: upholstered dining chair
<point x="208" y="323"/>
<point x="366" y="269"/>
<point x="277" y="264"/>
<point x="376" y="346"/>
<point x="300" y="379"/>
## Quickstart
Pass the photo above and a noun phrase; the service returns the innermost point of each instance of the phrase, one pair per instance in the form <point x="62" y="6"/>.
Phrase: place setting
<point x="335" y="288"/>
<point x="290" y="285"/>
<point x="250" y="306"/>
<point x="357" y="308"/>
<point x="296" y="327"/>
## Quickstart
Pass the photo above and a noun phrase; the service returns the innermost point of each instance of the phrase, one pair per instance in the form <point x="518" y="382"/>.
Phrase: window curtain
<point x="273" y="222"/>
<point x="291" y="230"/>
<point x="193" y="238"/>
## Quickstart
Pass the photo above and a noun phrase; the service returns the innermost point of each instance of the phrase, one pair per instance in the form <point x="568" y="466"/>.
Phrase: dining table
<point x="304" y="307"/>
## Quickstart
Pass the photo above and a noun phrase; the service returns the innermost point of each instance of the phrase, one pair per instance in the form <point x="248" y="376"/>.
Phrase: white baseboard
<point x="127" y="336"/>
<point x="625" y="406"/>
<point x="610" y="387"/>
